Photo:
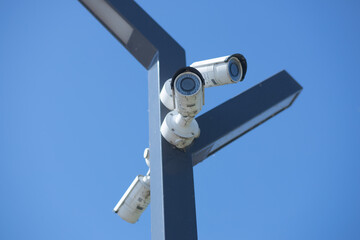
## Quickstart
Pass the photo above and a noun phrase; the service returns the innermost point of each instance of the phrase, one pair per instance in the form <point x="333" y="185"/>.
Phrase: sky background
<point x="71" y="142"/>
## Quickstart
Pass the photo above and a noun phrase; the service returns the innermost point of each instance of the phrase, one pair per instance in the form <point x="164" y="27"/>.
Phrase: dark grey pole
<point x="173" y="213"/>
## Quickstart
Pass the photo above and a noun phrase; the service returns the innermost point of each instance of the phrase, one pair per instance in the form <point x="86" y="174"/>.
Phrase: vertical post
<point x="173" y="213"/>
<point x="172" y="186"/>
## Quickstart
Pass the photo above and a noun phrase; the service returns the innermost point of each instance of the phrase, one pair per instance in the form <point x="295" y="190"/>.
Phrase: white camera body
<point x="222" y="70"/>
<point x="135" y="200"/>
<point x="178" y="130"/>
<point x="166" y="95"/>
<point x="185" y="94"/>
<point x="188" y="93"/>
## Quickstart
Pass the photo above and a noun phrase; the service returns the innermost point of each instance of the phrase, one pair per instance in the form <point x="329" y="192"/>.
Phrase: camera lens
<point x="234" y="70"/>
<point x="187" y="84"/>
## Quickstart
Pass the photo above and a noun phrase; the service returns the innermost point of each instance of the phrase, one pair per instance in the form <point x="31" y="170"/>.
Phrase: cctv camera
<point x="222" y="70"/>
<point x="135" y="200"/>
<point x="187" y="90"/>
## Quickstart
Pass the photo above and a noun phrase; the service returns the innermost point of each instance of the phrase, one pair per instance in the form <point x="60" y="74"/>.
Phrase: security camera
<point x="187" y="90"/>
<point x="135" y="200"/>
<point x="137" y="197"/>
<point x="222" y="70"/>
<point x="187" y="85"/>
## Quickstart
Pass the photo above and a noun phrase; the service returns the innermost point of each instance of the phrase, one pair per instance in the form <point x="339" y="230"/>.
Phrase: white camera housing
<point x="187" y="95"/>
<point x="166" y="95"/>
<point x="184" y="92"/>
<point x="222" y="70"/>
<point x="135" y="200"/>
<point x="178" y="130"/>
<point x="188" y="92"/>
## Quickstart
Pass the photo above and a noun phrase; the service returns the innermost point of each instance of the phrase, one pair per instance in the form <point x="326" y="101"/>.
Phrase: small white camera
<point x="222" y="70"/>
<point x="135" y="200"/>
<point x="188" y="91"/>
<point x="184" y="93"/>
<point x="137" y="197"/>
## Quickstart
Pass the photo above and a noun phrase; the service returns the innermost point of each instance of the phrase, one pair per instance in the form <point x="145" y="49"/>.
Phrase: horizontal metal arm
<point x="134" y="28"/>
<point x="232" y="119"/>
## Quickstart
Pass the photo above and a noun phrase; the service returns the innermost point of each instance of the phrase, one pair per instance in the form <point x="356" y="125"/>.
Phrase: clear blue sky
<point x="72" y="132"/>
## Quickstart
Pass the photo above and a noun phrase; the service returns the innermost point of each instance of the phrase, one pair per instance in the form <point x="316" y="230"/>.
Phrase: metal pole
<point x="172" y="187"/>
<point x="173" y="213"/>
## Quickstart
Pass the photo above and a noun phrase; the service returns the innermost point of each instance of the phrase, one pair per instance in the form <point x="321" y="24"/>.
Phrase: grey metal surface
<point x="173" y="213"/>
<point x="147" y="37"/>
<point x="230" y="120"/>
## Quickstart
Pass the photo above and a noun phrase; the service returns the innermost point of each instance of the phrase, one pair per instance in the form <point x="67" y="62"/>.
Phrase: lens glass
<point x="234" y="68"/>
<point x="187" y="83"/>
